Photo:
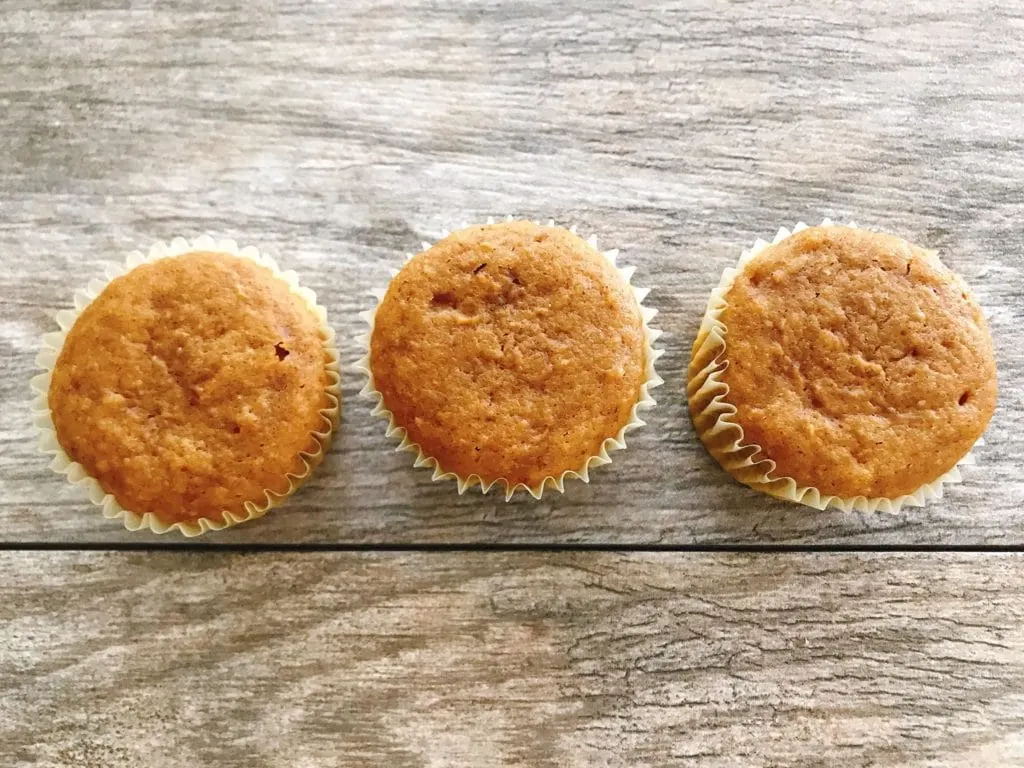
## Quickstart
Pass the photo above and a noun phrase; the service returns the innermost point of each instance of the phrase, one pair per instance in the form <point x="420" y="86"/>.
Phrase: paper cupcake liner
<point x="76" y="473"/>
<point x="714" y="417"/>
<point x="616" y="443"/>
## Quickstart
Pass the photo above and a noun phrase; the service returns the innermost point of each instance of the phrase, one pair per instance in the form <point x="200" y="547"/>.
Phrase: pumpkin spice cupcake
<point x="842" y="367"/>
<point x="513" y="354"/>
<point x="194" y="391"/>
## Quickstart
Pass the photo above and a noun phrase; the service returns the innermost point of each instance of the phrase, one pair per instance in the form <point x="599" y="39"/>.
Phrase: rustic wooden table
<point x="337" y="137"/>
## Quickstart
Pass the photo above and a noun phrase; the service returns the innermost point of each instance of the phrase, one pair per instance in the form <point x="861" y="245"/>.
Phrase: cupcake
<point x="842" y="367"/>
<point x="195" y="390"/>
<point x="513" y="354"/>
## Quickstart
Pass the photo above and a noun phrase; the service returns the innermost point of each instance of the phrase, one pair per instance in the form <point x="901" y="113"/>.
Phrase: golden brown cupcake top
<point x="509" y="351"/>
<point x="857" y="361"/>
<point x="190" y="385"/>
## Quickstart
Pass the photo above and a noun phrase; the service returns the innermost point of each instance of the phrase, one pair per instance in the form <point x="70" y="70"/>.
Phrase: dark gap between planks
<point x="298" y="547"/>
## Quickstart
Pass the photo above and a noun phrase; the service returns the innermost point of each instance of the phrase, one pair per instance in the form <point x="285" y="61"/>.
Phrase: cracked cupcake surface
<point x="856" y="361"/>
<point x="509" y="351"/>
<point x="191" y="386"/>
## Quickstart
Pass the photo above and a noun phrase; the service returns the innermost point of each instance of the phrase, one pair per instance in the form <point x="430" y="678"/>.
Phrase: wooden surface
<point x="338" y="139"/>
<point x="517" y="659"/>
<point x="337" y="136"/>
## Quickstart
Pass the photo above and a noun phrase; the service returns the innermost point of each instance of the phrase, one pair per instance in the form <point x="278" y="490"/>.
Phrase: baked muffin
<point x="511" y="353"/>
<point x="196" y="390"/>
<point x="841" y="366"/>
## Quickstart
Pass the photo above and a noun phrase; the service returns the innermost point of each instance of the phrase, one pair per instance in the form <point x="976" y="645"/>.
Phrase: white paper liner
<point x="76" y="473"/>
<point x="616" y="443"/>
<point x="714" y="417"/>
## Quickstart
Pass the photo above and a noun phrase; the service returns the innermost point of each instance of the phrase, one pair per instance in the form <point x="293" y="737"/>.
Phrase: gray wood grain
<point x="337" y="138"/>
<point x="518" y="659"/>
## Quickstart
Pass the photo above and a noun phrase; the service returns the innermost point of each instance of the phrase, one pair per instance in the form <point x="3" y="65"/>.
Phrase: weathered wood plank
<point x="517" y="659"/>
<point x="337" y="139"/>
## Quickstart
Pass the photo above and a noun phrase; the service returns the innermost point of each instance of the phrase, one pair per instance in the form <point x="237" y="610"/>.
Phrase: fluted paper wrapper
<point x="76" y="473"/>
<point x="616" y="443"/>
<point x="714" y="417"/>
